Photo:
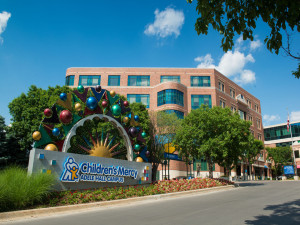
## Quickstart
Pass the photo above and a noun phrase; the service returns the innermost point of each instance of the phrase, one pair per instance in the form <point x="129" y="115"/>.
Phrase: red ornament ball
<point x="126" y="104"/>
<point x="47" y="112"/>
<point x="104" y="104"/>
<point x="65" y="116"/>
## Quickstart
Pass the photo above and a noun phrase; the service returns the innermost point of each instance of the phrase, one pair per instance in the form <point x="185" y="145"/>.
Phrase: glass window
<point x="138" y="80"/>
<point x="233" y="109"/>
<point x="200" y="81"/>
<point x="232" y="93"/>
<point x="259" y="137"/>
<point x="89" y="80"/>
<point x="170" y="96"/>
<point x="70" y="80"/>
<point x="258" y="123"/>
<point x="169" y="78"/>
<point x="197" y="100"/>
<point x="114" y="80"/>
<point x="242" y="115"/>
<point x="179" y="114"/>
<point x="139" y="98"/>
<point x="222" y="104"/>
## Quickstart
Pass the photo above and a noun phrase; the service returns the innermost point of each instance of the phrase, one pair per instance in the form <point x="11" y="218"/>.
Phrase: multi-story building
<point x="180" y="90"/>
<point x="278" y="136"/>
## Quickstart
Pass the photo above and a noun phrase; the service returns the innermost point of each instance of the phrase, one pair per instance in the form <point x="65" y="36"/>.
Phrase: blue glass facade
<point x="179" y="114"/>
<point x="70" y="80"/>
<point x="113" y="80"/>
<point x="89" y="80"/>
<point x="139" y="98"/>
<point x="170" y="78"/>
<point x="197" y="100"/>
<point x="170" y="96"/>
<point x="280" y="132"/>
<point x="138" y="80"/>
<point x="198" y="81"/>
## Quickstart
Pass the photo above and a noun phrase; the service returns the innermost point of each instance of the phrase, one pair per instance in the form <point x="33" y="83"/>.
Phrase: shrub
<point x="18" y="190"/>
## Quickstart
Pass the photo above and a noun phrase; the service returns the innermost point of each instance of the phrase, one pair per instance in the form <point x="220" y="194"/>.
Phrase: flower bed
<point x="106" y="194"/>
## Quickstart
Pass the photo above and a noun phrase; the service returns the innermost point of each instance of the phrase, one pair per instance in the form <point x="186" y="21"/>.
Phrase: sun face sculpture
<point x="80" y="103"/>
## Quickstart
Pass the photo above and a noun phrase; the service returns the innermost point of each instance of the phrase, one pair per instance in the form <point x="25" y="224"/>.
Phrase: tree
<point x="27" y="112"/>
<point x="280" y="156"/>
<point x="162" y="128"/>
<point x="216" y="134"/>
<point x="241" y="18"/>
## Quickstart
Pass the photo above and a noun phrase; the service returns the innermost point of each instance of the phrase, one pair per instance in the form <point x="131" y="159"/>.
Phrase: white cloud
<point x="231" y="64"/>
<point x="268" y="118"/>
<point x="255" y="44"/>
<point x="4" y="16"/>
<point x="167" y="23"/>
<point x="239" y="44"/>
<point x="295" y="115"/>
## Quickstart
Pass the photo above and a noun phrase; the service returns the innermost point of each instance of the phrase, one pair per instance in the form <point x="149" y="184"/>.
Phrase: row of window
<point x="280" y="132"/>
<point x="114" y="80"/>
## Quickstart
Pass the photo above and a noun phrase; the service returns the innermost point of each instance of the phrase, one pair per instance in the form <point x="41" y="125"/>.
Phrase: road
<point x="255" y="202"/>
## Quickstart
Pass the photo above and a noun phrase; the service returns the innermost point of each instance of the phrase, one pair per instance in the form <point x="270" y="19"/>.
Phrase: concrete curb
<point x="43" y="212"/>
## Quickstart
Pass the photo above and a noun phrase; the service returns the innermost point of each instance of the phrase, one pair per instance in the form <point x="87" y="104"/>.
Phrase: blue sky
<point x="41" y="39"/>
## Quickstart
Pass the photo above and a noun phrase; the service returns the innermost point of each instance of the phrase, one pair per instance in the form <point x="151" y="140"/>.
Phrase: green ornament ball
<point x="144" y="135"/>
<point x="116" y="110"/>
<point x="137" y="146"/>
<point x="80" y="89"/>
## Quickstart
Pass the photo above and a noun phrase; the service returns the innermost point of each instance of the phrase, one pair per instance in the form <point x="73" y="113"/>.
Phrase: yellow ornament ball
<point x="139" y="159"/>
<point x="51" y="147"/>
<point x="126" y="119"/>
<point x="112" y="93"/>
<point x="36" y="135"/>
<point x="78" y="106"/>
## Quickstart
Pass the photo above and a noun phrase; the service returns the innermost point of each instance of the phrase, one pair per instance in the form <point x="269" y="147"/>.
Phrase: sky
<point x="39" y="40"/>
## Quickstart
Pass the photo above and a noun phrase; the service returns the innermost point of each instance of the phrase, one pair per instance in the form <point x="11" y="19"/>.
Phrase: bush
<point x="18" y="190"/>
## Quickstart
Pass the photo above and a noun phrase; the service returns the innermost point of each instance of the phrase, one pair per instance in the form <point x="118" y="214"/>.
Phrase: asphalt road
<point x="259" y="202"/>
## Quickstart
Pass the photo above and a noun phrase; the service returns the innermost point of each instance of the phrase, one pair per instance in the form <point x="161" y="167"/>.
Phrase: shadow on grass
<point x="287" y="213"/>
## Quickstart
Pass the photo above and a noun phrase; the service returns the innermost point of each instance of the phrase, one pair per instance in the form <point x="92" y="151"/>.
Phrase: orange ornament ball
<point x="36" y="135"/>
<point x="51" y="147"/>
<point x="112" y="93"/>
<point x="139" y="159"/>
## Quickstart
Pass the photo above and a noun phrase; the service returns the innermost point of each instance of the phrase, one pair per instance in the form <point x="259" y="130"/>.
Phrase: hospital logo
<point x="71" y="171"/>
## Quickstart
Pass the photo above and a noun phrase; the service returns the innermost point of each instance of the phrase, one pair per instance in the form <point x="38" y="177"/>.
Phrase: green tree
<point x="280" y="156"/>
<point x="27" y="112"/>
<point x="162" y="129"/>
<point x="241" y="16"/>
<point x="216" y="134"/>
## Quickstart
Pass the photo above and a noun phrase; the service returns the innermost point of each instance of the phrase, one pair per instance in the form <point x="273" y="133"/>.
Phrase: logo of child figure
<point x="71" y="171"/>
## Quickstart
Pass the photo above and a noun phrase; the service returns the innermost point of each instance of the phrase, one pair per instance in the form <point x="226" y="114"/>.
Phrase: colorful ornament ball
<point x="137" y="147"/>
<point x="126" y="119"/>
<point x="147" y="154"/>
<point x="98" y="88"/>
<point x="144" y="135"/>
<point x="78" y="106"/>
<point x="104" y="104"/>
<point x="65" y="116"/>
<point x="48" y="112"/>
<point x="92" y="103"/>
<point x="116" y="110"/>
<point x="51" y="147"/>
<point x="55" y="132"/>
<point x="133" y="132"/>
<point x="112" y="93"/>
<point x="80" y="89"/>
<point x="136" y="118"/>
<point x="139" y="159"/>
<point x="63" y="96"/>
<point x="126" y="103"/>
<point x="36" y="135"/>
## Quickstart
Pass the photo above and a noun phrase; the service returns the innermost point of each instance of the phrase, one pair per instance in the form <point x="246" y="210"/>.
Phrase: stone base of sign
<point x="283" y="177"/>
<point x="296" y="177"/>
<point x="53" y="162"/>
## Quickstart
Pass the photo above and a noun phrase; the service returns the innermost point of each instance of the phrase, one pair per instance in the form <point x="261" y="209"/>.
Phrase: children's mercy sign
<point x="94" y="172"/>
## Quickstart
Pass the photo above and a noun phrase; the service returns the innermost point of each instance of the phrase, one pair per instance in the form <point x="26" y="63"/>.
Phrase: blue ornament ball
<point x="55" y="132"/>
<point x="136" y="118"/>
<point x="92" y="103"/>
<point x="63" y="96"/>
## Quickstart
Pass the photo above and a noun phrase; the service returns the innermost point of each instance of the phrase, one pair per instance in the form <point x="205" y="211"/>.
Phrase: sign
<point x="172" y="156"/>
<point x="94" y="172"/>
<point x="245" y="171"/>
<point x="288" y="169"/>
<point x="169" y="148"/>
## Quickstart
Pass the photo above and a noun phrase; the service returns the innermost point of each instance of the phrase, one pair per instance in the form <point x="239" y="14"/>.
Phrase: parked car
<point x="279" y="177"/>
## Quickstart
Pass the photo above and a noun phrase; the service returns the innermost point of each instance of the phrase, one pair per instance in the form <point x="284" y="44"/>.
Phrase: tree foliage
<point x="27" y="111"/>
<point x="280" y="156"/>
<point x="216" y="134"/>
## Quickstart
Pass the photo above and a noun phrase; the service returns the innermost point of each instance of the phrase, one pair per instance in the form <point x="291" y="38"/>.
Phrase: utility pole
<point x="295" y="168"/>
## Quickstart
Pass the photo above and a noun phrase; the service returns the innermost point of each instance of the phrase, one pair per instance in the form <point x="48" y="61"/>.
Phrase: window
<point x="261" y="154"/>
<point x="256" y="108"/>
<point x="139" y="98"/>
<point x="250" y="118"/>
<point x="232" y="93"/>
<point x="200" y="81"/>
<point x="242" y="115"/>
<point x="197" y="100"/>
<point x="258" y="123"/>
<point x="233" y="109"/>
<point x="297" y="154"/>
<point x="259" y="137"/>
<point x="252" y="132"/>
<point x="89" y="80"/>
<point x="280" y="132"/>
<point x="249" y="103"/>
<point x="222" y="104"/>
<point x="170" y="78"/>
<point x="70" y="80"/>
<point x="221" y="86"/>
<point x="179" y="114"/>
<point x="170" y="96"/>
<point x="113" y="80"/>
<point x="138" y="80"/>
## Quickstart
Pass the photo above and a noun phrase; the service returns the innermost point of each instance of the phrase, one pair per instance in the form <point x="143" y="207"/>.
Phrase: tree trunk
<point x="229" y="173"/>
<point x="250" y="168"/>
<point x="154" y="170"/>
<point x="210" y="168"/>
